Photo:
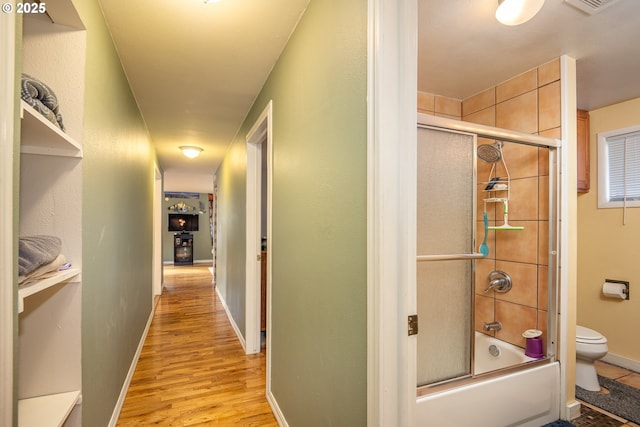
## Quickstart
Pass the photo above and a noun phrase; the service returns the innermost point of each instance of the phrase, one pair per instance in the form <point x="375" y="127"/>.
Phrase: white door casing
<point x="7" y="265"/>
<point x="157" y="233"/>
<point x="258" y="139"/>
<point x="391" y="121"/>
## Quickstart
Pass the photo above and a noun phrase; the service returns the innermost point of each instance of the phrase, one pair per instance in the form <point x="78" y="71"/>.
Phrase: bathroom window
<point x="619" y="168"/>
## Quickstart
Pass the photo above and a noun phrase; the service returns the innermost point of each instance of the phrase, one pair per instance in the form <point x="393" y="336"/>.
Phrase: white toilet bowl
<point x="590" y="346"/>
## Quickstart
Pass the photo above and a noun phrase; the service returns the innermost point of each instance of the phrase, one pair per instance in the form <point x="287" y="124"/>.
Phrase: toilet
<point x="590" y="346"/>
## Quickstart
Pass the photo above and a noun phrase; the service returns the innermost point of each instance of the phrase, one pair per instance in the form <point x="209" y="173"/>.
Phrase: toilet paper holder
<point x="625" y="283"/>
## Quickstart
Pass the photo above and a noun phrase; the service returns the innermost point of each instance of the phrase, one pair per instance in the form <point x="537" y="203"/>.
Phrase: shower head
<point x="490" y="153"/>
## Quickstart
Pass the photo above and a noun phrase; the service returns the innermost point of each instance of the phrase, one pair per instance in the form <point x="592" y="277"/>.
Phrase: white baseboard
<point x="623" y="362"/>
<point x="572" y="411"/>
<point x="125" y="387"/>
<point x="198" y="261"/>
<point x="276" y="410"/>
<point x="232" y="321"/>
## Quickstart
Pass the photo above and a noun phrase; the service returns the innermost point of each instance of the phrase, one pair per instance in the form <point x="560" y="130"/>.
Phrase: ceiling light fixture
<point x="516" y="12"/>
<point x="191" y="151"/>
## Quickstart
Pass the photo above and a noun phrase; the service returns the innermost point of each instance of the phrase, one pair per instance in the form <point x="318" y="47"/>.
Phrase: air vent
<point x="591" y="6"/>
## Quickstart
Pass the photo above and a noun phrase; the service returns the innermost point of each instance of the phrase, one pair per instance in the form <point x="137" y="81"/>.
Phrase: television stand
<point x="183" y="249"/>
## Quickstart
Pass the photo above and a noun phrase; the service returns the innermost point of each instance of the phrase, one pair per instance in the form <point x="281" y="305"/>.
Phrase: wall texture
<point x="319" y="283"/>
<point x="608" y="249"/>
<point x="117" y="252"/>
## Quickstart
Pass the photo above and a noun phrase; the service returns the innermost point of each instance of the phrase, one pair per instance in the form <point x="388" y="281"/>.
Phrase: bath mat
<point x="559" y="423"/>
<point x="622" y="400"/>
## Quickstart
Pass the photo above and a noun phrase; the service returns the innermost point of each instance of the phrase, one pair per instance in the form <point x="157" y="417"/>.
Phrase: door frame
<point x="391" y="128"/>
<point x="7" y="242"/>
<point x="259" y="135"/>
<point x="157" y="234"/>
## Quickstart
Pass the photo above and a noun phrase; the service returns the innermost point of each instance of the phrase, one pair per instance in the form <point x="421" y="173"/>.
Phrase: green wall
<point x="230" y="262"/>
<point x="117" y="251"/>
<point x="319" y="285"/>
<point x="201" y="238"/>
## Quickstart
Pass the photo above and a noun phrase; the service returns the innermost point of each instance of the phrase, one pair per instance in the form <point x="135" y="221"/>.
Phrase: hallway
<point x="192" y="370"/>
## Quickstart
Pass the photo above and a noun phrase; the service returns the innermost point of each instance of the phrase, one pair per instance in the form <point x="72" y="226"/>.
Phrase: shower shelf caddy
<point x="501" y="194"/>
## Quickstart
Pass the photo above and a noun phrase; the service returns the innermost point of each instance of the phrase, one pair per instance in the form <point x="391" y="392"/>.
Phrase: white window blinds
<point x="623" y="164"/>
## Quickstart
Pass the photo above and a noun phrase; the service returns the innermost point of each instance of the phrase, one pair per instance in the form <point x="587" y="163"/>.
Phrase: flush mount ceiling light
<point x="516" y="12"/>
<point x="191" y="151"/>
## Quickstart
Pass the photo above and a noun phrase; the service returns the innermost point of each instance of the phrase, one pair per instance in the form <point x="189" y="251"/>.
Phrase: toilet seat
<point x="589" y="336"/>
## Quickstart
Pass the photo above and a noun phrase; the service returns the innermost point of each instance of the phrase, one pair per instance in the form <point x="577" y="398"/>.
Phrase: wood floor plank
<point x="192" y="370"/>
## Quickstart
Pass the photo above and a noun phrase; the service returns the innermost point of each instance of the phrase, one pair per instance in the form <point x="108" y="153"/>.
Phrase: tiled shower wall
<point x="530" y="103"/>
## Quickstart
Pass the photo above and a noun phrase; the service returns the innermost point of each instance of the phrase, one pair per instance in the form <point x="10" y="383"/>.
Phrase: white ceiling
<point x="464" y="50"/>
<point x="195" y="68"/>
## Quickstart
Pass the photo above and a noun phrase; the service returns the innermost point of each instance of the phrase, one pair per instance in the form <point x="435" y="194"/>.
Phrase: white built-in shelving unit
<point x="50" y="310"/>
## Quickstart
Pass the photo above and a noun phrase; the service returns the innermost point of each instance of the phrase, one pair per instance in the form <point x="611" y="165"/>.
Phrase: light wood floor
<point x="192" y="370"/>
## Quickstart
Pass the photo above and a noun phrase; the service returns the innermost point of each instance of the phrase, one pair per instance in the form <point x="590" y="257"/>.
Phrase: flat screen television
<point x="183" y="222"/>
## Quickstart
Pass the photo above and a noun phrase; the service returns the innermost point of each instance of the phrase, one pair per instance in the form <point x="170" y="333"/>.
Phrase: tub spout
<point x="492" y="326"/>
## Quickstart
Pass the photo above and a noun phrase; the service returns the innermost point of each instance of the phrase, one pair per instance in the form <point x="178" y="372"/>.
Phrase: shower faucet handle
<point x="499" y="281"/>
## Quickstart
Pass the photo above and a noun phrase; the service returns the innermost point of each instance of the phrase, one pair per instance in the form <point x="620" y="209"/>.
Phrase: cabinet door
<point x="583" y="151"/>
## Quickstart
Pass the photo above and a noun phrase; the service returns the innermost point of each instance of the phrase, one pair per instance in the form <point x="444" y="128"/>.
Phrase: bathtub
<point x="527" y="397"/>
<point x="492" y="354"/>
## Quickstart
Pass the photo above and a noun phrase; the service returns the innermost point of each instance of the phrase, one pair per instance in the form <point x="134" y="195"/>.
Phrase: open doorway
<point x="258" y="216"/>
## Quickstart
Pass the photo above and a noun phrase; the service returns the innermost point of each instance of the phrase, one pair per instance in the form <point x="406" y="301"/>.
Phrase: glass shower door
<point x="445" y="250"/>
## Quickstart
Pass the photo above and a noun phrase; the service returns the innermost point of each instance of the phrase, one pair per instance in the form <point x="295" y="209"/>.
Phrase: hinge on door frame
<point x="413" y="324"/>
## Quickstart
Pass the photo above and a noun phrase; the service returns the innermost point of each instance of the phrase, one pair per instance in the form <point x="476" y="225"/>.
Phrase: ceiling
<point x="464" y="50"/>
<point x="195" y="69"/>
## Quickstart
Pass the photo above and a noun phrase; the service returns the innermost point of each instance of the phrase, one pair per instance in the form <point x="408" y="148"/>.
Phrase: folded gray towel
<point x="41" y="97"/>
<point x="34" y="251"/>
<point x="43" y="272"/>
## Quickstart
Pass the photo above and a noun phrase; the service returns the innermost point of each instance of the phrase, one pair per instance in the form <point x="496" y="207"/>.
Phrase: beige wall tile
<point x="484" y="312"/>
<point x="543" y="161"/>
<point x="522" y="160"/>
<point x="543" y="242"/>
<point x="480" y="101"/>
<point x="523" y="203"/>
<point x="483" y="117"/>
<point x="515" y="319"/>
<point x="524" y="278"/>
<point x="426" y="102"/>
<point x="516" y="104"/>
<point x="449" y="116"/>
<point x="518" y="245"/>
<point x="552" y="133"/>
<point x="543" y="322"/>
<point x="518" y="85"/>
<point x="448" y="106"/>
<point x="549" y="106"/>
<point x="549" y="72"/>
<point x="543" y="288"/>
<point x="519" y="113"/>
<point x="543" y="198"/>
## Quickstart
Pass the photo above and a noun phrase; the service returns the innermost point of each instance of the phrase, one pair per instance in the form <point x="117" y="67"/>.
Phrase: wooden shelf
<point x="46" y="411"/>
<point x="35" y="287"/>
<point x="40" y="136"/>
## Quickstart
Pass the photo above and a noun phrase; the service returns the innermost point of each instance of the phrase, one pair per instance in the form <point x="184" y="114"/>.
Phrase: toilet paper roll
<point x="614" y="290"/>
